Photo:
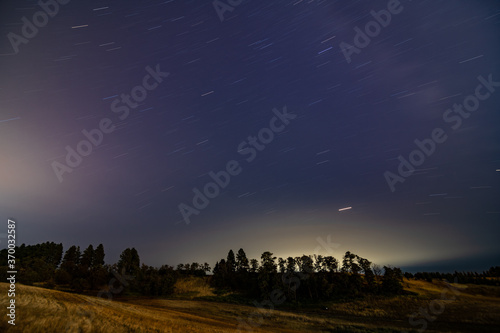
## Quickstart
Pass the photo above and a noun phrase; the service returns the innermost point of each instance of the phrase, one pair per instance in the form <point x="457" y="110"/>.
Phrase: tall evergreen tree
<point x="87" y="259"/>
<point x="71" y="260"/>
<point x="291" y="264"/>
<point x="231" y="262"/>
<point x="99" y="256"/>
<point x="254" y="266"/>
<point x="129" y="262"/>
<point x="267" y="263"/>
<point x="242" y="263"/>
<point x="267" y="272"/>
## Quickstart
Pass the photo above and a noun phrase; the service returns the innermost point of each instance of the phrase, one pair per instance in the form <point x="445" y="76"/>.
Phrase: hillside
<point x="475" y="309"/>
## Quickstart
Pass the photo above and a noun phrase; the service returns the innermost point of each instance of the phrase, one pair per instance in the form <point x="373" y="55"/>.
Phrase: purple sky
<point x="354" y="114"/>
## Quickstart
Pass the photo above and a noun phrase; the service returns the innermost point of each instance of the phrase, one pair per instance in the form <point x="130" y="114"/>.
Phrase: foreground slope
<point x="43" y="310"/>
<point x="474" y="309"/>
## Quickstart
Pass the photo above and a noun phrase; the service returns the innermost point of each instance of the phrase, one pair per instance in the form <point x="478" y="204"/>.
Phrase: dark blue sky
<point x="169" y="93"/>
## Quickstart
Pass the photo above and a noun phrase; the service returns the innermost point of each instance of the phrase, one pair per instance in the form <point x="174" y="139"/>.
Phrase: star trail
<point x="187" y="128"/>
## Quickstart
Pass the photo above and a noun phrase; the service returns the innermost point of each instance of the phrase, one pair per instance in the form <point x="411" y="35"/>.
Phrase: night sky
<point x="302" y="117"/>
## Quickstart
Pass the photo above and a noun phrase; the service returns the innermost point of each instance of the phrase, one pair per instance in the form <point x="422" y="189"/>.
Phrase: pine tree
<point x="71" y="260"/>
<point x="231" y="262"/>
<point x="242" y="264"/>
<point x="99" y="256"/>
<point x="129" y="262"/>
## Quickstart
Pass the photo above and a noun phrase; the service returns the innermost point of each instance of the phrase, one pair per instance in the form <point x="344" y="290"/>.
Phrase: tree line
<point x="320" y="277"/>
<point x="85" y="271"/>
<point x="490" y="277"/>
<point x="305" y="278"/>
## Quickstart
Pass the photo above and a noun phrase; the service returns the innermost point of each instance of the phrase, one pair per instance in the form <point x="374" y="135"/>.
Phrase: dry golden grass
<point x="193" y="287"/>
<point x="43" y="310"/>
<point x="468" y="312"/>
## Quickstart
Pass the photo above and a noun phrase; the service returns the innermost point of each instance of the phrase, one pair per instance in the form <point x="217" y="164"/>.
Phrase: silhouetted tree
<point x="69" y="265"/>
<point x="98" y="271"/>
<point x="254" y="265"/>
<point x="129" y="262"/>
<point x="242" y="264"/>
<point x="349" y="264"/>
<point x="35" y="263"/>
<point x="231" y="262"/>
<point x="87" y="259"/>
<point x="330" y="264"/>
<point x="318" y="263"/>
<point x="291" y="264"/>
<point x="220" y="274"/>
<point x="365" y="265"/>
<point x="99" y="256"/>
<point x="156" y="282"/>
<point x="392" y="281"/>
<point x="267" y="272"/>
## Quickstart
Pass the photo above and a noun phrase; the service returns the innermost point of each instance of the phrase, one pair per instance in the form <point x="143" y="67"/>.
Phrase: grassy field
<point x="461" y="309"/>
